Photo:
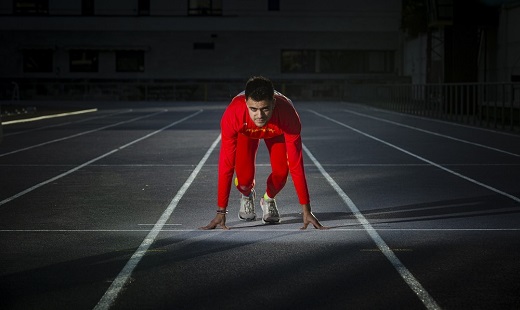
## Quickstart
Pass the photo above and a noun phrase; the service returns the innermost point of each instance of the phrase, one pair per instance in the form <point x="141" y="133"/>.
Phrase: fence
<point x="491" y="105"/>
<point x="160" y="90"/>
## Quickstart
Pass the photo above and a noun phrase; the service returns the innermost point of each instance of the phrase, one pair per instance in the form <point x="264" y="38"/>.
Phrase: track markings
<point x="257" y="229"/>
<point x="432" y="133"/>
<point x="48" y="116"/>
<point x="66" y="123"/>
<point x="82" y="133"/>
<point x="122" y="278"/>
<point x="517" y="199"/>
<point x="407" y="276"/>
<point x="163" y="225"/>
<point x="94" y="160"/>
<point x="378" y="250"/>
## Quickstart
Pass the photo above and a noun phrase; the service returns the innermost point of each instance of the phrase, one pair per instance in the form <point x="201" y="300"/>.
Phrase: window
<point x="31" y="7"/>
<point x="203" y="46"/>
<point x="299" y="61"/>
<point x="38" y="60"/>
<point x="143" y="7"/>
<point x="204" y="7"/>
<point x="273" y="5"/>
<point x="83" y="60"/>
<point x="380" y="61"/>
<point x="337" y="61"/>
<point x="341" y="61"/>
<point x="129" y="61"/>
<point x="87" y="7"/>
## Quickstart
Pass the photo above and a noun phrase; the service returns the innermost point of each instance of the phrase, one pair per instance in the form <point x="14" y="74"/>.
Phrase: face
<point x="260" y="111"/>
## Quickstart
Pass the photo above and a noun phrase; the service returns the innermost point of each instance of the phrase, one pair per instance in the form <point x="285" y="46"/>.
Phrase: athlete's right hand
<point x="219" y="220"/>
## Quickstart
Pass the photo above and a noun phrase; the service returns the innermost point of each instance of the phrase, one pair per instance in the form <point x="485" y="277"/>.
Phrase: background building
<point x="212" y="40"/>
<point x="461" y="41"/>
<point x="206" y="49"/>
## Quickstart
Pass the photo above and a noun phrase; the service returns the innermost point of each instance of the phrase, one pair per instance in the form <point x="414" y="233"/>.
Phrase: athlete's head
<point x="260" y="99"/>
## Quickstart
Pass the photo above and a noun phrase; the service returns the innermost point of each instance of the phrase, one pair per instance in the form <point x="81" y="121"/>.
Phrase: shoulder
<point x="282" y="98"/>
<point x="233" y="115"/>
<point x="283" y="103"/>
<point x="287" y="115"/>
<point x="239" y="98"/>
<point x="237" y="104"/>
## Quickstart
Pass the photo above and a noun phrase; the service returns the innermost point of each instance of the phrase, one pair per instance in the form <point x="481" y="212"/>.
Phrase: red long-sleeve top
<point x="284" y="121"/>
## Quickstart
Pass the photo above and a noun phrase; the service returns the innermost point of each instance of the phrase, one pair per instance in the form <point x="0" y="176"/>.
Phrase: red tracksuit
<point x="240" y="140"/>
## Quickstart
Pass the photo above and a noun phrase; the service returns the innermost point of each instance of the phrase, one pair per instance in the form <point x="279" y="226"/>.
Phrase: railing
<point x="161" y="90"/>
<point x="119" y="90"/>
<point x="491" y="105"/>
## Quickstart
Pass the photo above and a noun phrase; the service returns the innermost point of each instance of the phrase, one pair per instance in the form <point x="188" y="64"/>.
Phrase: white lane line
<point x="154" y="224"/>
<point x="26" y="120"/>
<point x="259" y="165"/>
<point x="94" y="160"/>
<point x="421" y="158"/>
<point x="258" y="229"/>
<point x="66" y="123"/>
<point x="119" y="282"/>
<point x="431" y="133"/>
<point x="429" y="119"/>
<point x="82" y="133"/>
<point x="407" y="276"/>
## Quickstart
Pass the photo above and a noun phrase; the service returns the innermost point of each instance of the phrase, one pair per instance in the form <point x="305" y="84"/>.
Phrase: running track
<point x="100" y="210"/>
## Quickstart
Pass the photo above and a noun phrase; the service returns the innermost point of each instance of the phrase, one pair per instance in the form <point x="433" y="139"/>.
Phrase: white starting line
<point x="258" y="229"/>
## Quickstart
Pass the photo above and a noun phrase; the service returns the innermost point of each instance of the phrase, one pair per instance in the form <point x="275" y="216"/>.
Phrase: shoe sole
<point x="247" y="219"/>
<point x="273" y="221"/>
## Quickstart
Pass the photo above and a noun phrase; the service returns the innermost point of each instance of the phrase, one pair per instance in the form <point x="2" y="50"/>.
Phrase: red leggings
<point x="246" y="159"/>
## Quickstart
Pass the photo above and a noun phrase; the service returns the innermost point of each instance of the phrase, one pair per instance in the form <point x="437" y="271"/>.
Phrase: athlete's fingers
<point x="321" y="227"/>
<point x="217" y="221"/>
<point x="208" y="227"/>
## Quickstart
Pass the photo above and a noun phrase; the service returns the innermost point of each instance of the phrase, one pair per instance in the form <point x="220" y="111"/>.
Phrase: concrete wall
<point x="414" y="59"/>
<point x="248" y="39"/>
<point x="510" y="41"/>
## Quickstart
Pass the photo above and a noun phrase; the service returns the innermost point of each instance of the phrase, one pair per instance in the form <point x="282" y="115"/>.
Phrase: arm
<point x="225" y="170"/>
<point x="298" y="175"/>
<point x="226" y="163"/>
<point x="295" y="158"/>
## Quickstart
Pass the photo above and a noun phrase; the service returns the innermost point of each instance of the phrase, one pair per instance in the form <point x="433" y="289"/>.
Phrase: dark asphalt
<point x="423" y="214"/>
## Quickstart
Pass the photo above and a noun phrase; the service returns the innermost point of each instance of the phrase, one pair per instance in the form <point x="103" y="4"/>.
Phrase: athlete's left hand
<point x="219" y="220"/>
<point x="309" y="218"/>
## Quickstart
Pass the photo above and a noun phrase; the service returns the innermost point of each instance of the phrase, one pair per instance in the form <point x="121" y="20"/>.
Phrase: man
<point x="260" y="113"/>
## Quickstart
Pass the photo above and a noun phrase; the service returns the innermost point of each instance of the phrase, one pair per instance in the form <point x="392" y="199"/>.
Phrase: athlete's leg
<point x="279" y="165"/>
<point x="245" y="164"/>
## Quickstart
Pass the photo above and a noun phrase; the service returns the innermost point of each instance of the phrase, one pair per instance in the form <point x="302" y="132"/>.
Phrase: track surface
<point x="101" y="210"/>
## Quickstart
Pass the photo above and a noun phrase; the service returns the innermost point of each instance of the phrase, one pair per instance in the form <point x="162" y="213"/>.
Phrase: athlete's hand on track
<point x="309" y="218"/>
<point x="219" y="220"/>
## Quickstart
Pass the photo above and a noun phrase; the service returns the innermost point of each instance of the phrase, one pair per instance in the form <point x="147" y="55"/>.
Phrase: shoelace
<point x="271" y="207"/>
<point x="248" y="206"/>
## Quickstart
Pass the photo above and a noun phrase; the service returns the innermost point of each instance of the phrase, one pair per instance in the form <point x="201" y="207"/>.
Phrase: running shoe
<point x="247" y="207"/>
<point x="270" y="211"/>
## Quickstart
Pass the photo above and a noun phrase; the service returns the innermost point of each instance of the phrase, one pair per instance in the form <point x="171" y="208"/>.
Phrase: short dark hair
<point x="259" y="88"/>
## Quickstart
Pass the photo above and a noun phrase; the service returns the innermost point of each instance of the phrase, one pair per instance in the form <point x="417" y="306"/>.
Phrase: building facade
<point x="199" y="39"/>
